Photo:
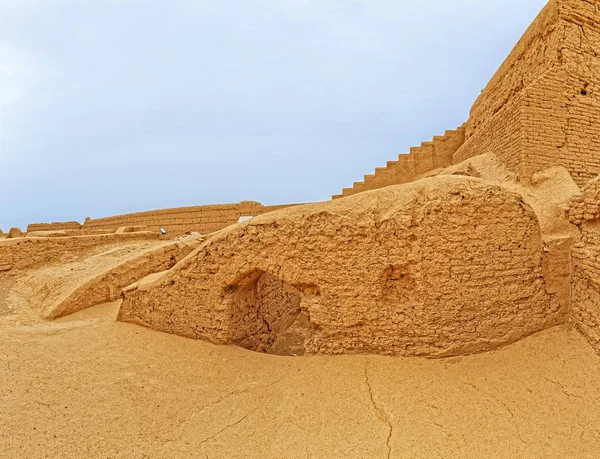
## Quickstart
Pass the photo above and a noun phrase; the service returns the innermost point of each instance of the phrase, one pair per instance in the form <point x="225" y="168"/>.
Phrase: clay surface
<point x="23" y="252"/>
<point x="87" y="386"/>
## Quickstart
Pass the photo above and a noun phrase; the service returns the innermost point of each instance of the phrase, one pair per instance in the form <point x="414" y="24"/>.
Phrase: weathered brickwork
<point x="441" y="266"/>
<point x="55" y="226"/>
<point x="177" y="221"/>
<point x="501" y="133"/>
<point x="584" y="211"/>
<point x="540" y="109"/>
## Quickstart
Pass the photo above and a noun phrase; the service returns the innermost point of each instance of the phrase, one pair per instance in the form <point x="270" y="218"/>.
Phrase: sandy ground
<point x="86" y="386"/>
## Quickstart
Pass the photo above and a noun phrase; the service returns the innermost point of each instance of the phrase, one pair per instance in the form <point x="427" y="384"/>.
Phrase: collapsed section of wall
<point x="104" y="283"/>
<point x="177" y="221"/>
<point x="442" y="266"/>
<point x="23" y="252"/>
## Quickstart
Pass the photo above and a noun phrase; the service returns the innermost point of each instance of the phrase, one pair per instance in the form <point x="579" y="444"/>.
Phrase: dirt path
<point x="87" y="386"/>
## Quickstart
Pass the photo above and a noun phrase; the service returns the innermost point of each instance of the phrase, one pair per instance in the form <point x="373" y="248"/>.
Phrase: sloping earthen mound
<point x="82" y="275"/>
<point x="443" y="266"/>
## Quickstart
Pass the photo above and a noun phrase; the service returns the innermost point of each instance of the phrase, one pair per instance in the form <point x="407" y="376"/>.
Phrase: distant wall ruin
<point x="177" y="221"/>
<point x="55" y="226"/>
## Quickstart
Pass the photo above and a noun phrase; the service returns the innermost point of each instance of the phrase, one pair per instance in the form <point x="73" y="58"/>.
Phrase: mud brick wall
<point x="542" y="108"/>
<point x="55" y="226"/>
<point x="408" y="167"/>
<point x="497" y="120"/>
<point x="452" y="266"/>
<point x="177" y="221"/>
<point x="585" y="300"/>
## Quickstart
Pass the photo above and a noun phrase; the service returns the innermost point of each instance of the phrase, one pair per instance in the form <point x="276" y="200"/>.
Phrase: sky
<point x="116" y="106"/>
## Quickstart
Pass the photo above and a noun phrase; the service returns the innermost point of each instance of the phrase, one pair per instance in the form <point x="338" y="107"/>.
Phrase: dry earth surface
<point x="88" y="386"/>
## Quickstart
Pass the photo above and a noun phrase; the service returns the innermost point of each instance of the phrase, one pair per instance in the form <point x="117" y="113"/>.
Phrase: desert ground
<point x="88" y="386"/>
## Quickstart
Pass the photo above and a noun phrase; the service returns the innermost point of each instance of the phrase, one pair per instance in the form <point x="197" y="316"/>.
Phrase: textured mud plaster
<point x="585" y="310"/>
<point x="442" y="266"/>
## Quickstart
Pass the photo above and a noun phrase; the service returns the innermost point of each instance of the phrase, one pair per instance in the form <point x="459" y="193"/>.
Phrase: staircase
<point x="429" y="156"/>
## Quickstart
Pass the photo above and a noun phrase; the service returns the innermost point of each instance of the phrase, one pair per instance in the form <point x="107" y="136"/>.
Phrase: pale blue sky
<point x="114" y="106"/>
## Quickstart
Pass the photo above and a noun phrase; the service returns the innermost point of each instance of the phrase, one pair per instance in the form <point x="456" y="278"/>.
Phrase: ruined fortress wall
<point x="562" y="109"/>
<point x="203" y="219"/>
<point x="541" y="109"/>
<point x="392" y="271"/>
<point x="581" y="51"/>
<point x="585" y="300"/>
<point x="496" y="118"/>
<point x="23" y="252"/>
<point x="55" y="226"/>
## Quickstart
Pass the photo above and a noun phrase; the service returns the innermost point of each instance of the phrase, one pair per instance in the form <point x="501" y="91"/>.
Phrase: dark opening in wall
<point x="583" y="92"/>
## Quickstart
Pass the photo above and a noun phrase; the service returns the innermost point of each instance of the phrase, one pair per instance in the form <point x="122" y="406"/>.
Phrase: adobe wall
<point x="443" y="266"/>
<point x="495" y="119"/>
<point x="428" y="156"/>
<point x="541" y="108"/>
<point x="177" y="221"/>
<point x="585" y="301"/>
<point x="55" y="226"/>
<point x="20" y="253"/>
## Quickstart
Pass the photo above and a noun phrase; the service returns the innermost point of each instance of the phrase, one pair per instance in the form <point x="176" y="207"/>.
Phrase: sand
<point x="88" y="386"/>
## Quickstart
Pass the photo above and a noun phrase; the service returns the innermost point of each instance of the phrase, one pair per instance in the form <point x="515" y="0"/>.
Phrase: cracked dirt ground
<point x="87" y="386"/>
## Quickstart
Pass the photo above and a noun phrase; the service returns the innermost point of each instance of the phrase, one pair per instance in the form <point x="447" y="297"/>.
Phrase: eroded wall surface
<point x="23" y="252"/>
<point x="585" y="292"/>
<point x="443" y="266"/>
<point x="542" y="107"/>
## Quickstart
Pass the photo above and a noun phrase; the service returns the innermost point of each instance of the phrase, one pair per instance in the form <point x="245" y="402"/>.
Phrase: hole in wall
<point x="266" y="315"/>
<point x="584" y="92"/>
